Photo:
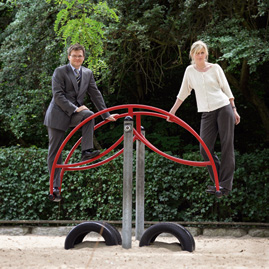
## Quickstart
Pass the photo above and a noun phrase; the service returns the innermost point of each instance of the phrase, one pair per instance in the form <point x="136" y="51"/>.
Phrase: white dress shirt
<point x="74" y="69"/>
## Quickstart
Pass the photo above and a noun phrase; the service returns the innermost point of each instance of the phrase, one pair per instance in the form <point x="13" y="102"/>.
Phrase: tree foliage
<point x="144" y="47"/>
<point x="80" y="21"/>
<point x="30" y="50"/>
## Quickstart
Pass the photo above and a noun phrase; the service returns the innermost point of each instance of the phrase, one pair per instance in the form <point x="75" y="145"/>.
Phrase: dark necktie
<point x="78" y="77"/>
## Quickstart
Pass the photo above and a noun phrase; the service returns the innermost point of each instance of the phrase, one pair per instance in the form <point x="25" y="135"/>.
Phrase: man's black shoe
<point x="212" y="190"/>
<point x="56" y="193"/>
<point x="89" y="154"/>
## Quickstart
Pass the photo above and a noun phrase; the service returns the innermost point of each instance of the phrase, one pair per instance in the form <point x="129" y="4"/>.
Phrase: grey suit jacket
<point x="67" y="96"/>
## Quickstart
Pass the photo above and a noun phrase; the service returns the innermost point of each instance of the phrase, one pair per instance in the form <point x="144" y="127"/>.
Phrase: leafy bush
<point x="173" y="192"/>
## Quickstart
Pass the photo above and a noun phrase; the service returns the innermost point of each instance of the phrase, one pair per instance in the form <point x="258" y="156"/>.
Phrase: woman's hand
<point x="168" y="118"/>
<point x="237" y="117"/>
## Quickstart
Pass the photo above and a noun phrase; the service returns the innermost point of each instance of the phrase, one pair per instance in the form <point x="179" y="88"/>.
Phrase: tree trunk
<point x="139" y="84"/>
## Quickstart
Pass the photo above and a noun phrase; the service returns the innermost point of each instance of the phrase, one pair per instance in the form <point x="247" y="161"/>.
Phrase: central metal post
<point x="140" y="183"/>
<point x="127" y="183"/>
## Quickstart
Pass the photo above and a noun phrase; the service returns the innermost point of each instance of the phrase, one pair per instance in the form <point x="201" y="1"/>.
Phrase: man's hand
<point x="81" y="108"/>
<point x="112" y="117"/>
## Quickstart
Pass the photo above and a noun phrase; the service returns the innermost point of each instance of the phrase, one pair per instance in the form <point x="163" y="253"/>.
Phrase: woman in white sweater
<point x="216" y="103"/>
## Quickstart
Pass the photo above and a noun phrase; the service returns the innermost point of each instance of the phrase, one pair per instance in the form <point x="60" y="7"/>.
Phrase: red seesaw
<point x="137" y="136"/>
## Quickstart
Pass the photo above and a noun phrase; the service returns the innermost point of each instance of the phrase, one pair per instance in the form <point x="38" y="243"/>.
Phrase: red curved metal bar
<point x="178" y="160"/>
<point x="66" y="166"/>
<point x="137" y="135"/>
<point x="69" y="167"/>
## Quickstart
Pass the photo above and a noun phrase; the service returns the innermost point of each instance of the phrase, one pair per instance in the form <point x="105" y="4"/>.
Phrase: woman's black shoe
<point x="212" y="190"/>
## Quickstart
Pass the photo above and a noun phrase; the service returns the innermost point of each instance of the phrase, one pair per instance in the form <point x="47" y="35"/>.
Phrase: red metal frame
<point x="137" y="136"/>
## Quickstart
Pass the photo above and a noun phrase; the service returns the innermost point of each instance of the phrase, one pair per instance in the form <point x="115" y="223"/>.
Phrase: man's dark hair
<point x="75" y="47"/>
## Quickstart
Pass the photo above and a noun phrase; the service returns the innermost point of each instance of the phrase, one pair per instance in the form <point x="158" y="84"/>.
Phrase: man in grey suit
<point x="70" y="83"/>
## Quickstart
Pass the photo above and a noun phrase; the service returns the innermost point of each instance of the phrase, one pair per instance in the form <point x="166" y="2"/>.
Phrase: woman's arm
<point x="175" y="107"/>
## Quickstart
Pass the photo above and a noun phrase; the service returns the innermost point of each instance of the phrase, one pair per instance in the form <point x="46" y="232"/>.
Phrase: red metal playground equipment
<point x="131" y="134"/>
<point x="137" y="136"/>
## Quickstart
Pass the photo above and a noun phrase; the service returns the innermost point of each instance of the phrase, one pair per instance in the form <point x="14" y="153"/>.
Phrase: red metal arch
<point x="137" y="136"/>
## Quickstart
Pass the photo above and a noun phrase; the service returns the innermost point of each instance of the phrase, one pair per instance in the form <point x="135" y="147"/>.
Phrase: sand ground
<point x="35" y="251"/>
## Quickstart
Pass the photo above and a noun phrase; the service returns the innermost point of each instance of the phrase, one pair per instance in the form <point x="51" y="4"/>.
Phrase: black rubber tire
<point x="182" y="234"/>
<point x="181" y="227"/>
<point x="113" y="229"/>
<point x="190" y="235"/>
<point x="77" y="234"/>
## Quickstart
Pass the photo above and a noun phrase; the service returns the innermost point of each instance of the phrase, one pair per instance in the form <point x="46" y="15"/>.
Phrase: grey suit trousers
<point x="56" y="138"/>
<point x="220" y="122"/>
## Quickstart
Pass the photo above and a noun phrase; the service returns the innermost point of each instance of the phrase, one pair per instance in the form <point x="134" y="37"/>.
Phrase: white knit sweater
<point x="211" y="88"/>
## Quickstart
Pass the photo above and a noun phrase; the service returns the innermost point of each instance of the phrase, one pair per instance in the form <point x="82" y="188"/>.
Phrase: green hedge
<point x="173" y="192"/>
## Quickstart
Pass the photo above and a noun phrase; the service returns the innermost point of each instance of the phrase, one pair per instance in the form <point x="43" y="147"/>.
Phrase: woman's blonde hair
<point x="196" y="47"/>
